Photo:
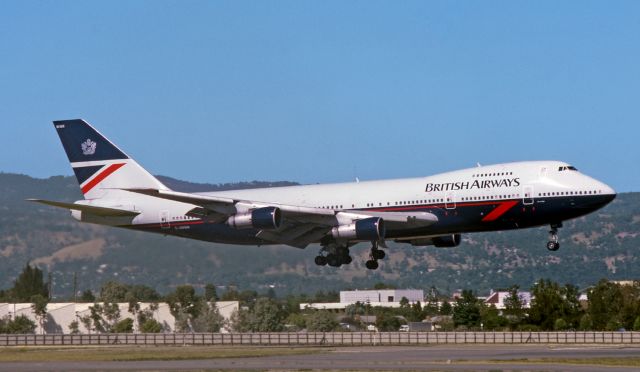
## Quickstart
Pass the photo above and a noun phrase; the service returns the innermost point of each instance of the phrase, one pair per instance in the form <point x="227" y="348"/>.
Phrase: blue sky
<point x="323" y="91"/>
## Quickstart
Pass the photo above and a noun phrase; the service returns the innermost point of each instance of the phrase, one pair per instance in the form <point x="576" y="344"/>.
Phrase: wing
<point x="301" y="225"/>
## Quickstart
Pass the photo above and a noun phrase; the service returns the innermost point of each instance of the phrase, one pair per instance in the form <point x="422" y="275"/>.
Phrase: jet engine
<point x="447" y="241"/>
<point x="370" y="229"/>
<point x="268" y="218"/>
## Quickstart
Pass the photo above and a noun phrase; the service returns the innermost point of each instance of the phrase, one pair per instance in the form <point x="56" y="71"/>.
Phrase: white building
<point x="382" y="295"/>
<point x="497" y="299"/>
<point x="377" y="297"/>
<point x="61" y="315"/>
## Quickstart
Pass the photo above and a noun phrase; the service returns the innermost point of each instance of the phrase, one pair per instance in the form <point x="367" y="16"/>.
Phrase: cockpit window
<point x="567" y="167"/>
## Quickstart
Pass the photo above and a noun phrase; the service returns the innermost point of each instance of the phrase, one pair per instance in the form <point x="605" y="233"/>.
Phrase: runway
<point x="429" y="358"/>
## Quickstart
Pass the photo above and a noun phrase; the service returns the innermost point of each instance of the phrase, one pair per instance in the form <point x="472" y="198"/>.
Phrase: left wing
<point x="300" y="226"/>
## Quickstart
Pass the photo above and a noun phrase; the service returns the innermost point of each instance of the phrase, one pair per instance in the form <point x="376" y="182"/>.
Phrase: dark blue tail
<point x="83" y="143"/>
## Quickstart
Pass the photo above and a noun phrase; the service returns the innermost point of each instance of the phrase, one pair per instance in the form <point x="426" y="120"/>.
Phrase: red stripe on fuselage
<point x="501" y="209"/>
<point x="101" y="176"/>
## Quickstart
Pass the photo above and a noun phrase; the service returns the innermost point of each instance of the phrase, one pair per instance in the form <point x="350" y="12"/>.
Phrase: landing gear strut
<point x="333" y="255"/>
<point x="375" y="255"/>
<point x="553" y="244"/>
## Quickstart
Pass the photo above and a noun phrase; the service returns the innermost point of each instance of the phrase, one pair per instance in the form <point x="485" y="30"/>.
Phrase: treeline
<point x="609" y="307"/>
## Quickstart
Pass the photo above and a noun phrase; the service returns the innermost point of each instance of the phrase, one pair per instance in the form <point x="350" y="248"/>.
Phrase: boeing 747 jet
<point x="433" y="210"/>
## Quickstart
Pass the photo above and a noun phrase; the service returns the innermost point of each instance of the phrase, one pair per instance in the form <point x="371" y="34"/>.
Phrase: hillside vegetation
<point x="602" y="245"/>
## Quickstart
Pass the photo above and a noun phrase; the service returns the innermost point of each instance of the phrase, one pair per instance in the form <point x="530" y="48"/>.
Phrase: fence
<point x="331" y="338"/>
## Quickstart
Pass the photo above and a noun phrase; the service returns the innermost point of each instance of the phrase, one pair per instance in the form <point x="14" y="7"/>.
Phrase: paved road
<point x="438" y="358"/>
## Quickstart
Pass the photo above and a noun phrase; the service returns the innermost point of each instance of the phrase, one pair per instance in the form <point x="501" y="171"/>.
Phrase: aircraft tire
<point x="379" y="254"/>
<point x="321" y="260"/>
<point x="371" y="264"/>
<point x="333" y="260"/>
<point x="553" y="246"/>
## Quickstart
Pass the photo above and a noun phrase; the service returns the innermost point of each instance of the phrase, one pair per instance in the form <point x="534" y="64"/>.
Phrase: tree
<point x="146" y="322"/>
<point x="184" y="306"/>
<point x="431" y="307"/>
<point x="445" y="308"/>
<point x="321" y="321"/>
<point x="39" y="307"/>
<point x="209" y="319"/>
<point x="74" y="327"/>
<point x="29" y="283"/>
<point x="387" y="321"/>
<point x="297" y="320"/>
<point x="123" y="326"/>
<point x="113" y="291"/>
<point x="18" y="325"/>
<point x="491" y="318"/>
<point x="111" y="313"/>
<point x="210" y="293"/>
<point x="546" y="305"/>
<point x="605" y="303"/>
<point x="87" y="296"/>
<point x="151" y="326"/>
<point x="514" y="309"/>
<point x="381" y="285"/>
<point x="466" y="311"/>
<point x="265" y="316"/>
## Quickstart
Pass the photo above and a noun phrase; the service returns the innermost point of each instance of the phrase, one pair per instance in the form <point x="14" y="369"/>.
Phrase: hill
<point x="602" y="245"/>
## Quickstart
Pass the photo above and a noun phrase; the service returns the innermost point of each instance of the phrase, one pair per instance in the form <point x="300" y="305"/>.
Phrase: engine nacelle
<point x="371" y="229"/>
<point x="447" y="241"/>
<point x="268" y="218"/>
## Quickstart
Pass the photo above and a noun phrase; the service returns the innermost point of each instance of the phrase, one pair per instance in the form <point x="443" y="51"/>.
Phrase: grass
<point x="137" y="353"/>
<point x="611" y="362"/>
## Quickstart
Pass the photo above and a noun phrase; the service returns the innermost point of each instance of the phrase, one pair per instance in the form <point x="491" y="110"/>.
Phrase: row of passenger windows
<point x="492" y="174"/>
<point x="468" y="198"/>
<point x="183" y="218"/>
<point x="491" y="197"/>
<point x="561" y="193"/>
<point x="409" y="202"/>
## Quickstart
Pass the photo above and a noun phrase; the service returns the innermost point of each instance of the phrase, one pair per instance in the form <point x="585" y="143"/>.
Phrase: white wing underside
<point x="301" y="225"/>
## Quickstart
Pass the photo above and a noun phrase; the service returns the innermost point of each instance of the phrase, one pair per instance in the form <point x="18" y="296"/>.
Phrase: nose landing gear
<point x="553" y="244"/>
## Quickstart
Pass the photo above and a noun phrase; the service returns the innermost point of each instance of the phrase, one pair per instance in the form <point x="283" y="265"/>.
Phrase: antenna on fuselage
<point x="478" y="165"/>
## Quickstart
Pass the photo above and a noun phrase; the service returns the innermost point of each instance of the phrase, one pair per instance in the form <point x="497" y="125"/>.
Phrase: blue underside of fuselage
<point x="464" y="217"/>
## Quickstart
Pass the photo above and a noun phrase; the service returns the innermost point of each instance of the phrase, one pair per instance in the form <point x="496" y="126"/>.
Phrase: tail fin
<point x="100" y="166"/>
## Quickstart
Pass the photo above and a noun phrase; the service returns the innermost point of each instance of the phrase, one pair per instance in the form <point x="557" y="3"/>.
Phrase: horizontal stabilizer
<point x="99" y="211"/>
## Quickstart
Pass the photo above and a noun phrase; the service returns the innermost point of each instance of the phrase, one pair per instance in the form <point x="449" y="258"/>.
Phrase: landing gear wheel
<point x="378" y="254"/>
<point x="371" y="264"/>
<point x="347" y="260"/>
<point x="553" y="246"/>
<point x="333" y="260"/>
<point x="321" y="260"/>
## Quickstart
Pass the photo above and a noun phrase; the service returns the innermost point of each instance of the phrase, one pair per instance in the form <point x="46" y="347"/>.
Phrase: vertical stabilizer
<point x="100" y="166"/>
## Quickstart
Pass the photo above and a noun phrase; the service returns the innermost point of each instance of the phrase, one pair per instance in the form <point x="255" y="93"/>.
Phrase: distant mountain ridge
<point x="603" y="244"/>
<point x="185" y="186"/>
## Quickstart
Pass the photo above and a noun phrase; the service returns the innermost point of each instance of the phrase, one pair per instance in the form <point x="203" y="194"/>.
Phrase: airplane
<point x="434" y="210"/>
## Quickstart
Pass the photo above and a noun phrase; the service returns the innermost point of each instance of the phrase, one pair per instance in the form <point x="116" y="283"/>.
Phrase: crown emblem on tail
<point x="88" y="147"/>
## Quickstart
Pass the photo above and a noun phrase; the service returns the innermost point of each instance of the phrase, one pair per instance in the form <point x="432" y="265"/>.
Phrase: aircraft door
<point x="164" y="220"/>
<point x="527" y="195"/>
<point x="450" y="200"/>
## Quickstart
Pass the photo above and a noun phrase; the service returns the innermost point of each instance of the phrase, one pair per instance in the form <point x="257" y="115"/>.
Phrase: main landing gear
<point x="337" y="255"/>
<point x="375" y="255"/>
<point x="333" y="255"/>
<point x="553" y="244"/>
